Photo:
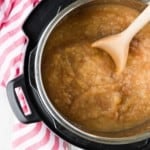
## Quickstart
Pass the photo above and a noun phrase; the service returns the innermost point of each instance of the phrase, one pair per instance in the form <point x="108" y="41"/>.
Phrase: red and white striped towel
<point x="12" y="48"/>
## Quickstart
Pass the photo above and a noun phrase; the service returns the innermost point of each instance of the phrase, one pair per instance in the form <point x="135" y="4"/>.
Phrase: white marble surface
<point x="7" y="117"/>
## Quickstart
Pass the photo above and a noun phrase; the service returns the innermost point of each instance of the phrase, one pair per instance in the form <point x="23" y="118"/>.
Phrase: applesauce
<point x="81" y="81"/>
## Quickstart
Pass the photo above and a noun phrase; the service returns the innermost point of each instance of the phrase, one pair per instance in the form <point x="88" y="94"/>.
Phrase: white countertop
<point x="7" y="117"/>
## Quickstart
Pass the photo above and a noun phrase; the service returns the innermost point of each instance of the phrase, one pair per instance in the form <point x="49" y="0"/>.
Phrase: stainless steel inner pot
<point x="108" y="138"/>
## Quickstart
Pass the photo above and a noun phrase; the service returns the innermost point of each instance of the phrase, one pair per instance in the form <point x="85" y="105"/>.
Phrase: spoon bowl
<point x="117" y="46"/>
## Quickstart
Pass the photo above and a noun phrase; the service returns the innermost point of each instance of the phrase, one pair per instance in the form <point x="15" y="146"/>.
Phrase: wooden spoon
<point x="117" y="46"/>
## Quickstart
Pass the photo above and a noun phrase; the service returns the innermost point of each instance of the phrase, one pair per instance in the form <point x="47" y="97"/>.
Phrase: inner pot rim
<point x="51" y="110"/>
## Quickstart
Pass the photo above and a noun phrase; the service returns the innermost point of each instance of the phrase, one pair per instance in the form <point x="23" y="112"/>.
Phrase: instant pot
<point x="38" y="27"/>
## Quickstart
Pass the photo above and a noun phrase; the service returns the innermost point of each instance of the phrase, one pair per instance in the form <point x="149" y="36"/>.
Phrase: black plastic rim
<point x="33" y="20"/>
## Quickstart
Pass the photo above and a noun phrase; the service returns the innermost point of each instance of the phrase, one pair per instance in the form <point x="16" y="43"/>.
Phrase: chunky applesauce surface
<point x="81" y="81"/>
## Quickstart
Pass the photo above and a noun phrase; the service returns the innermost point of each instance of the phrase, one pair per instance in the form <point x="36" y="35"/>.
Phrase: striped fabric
<point x="12" y="48"/>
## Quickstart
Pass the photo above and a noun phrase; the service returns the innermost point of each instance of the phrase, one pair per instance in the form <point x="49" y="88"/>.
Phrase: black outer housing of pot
<point x="33" y="28"/>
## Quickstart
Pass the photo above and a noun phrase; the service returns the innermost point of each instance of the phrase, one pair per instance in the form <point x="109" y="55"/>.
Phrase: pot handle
<point x="15" y="103"/>
<point x="41" y="16"/>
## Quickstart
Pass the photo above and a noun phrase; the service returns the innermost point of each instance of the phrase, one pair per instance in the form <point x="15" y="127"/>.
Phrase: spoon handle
<point x="138" y="23"/>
